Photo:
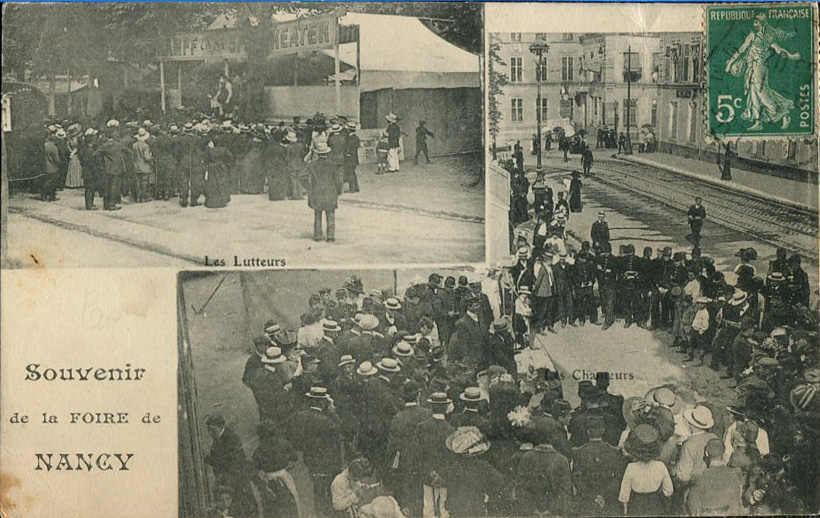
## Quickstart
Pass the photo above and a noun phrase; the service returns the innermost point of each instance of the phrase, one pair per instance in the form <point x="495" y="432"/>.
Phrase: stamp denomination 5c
<point x="761" y="63"/>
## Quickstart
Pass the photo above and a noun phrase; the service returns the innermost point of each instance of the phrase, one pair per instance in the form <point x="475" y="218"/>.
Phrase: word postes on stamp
<point x="761" y="63"/>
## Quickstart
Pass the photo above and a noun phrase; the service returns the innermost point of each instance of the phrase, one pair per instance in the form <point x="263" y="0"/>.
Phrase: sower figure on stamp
<point x="323" y="195"/>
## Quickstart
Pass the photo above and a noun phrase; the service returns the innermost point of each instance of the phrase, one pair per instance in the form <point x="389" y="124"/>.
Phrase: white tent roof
<point x="403" y="43"/>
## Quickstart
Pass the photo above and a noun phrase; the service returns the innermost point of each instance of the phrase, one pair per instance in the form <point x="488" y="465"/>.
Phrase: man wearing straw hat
<point x="143" y="164"/>
<point x="323" y="193"/>
<point x="431" y="447"/>
<point x="394" y="141"/>
<point x="402" y="447"/>
<point x="690" y="460"/>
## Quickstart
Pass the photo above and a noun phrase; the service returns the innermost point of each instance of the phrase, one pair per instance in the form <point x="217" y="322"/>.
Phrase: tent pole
<point x="337" y="70"/>
<point x="162" y="85"/>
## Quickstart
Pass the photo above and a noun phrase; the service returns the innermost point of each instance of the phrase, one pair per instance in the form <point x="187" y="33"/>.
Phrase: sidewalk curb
<point x="719" y="183"/>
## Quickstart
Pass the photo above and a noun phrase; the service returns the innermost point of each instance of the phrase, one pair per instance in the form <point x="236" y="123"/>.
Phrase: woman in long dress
<point x="763" y="104"/>
<point x="74" y="178"/>
<point x="218" y="182"/>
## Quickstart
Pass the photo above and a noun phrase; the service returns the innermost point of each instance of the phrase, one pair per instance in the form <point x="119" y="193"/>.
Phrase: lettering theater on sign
<point x="306" y="34"/>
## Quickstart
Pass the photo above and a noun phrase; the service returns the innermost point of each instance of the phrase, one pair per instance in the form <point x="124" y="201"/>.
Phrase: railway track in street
<point x="778" y="224"/>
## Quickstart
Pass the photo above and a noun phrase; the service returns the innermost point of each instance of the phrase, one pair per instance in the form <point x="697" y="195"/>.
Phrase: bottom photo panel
<point x="452" y="392"/>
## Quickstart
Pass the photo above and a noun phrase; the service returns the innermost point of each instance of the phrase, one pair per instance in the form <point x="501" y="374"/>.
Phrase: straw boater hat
<point x="467" y="440"/>
<point x="346" y="359"/>
<point x="738" y="297"/>
<point x="439" y="398"/>
<point x="403" y="349"/>
<point x="59" y="133"/>
<point x="352" y="125"/>
<point x="273" y="355"/>
<point x="471" y="394"/>
<point x="331" y="326"/>
<point x="665" y="397"/>
<point x="500" y="324"/>
<point x="113" y="123"/>
<point x="336" y="128"/>
<point x="271" y="327"/>
<point x="369" y="322"/>
<point x="321" y="148"/>
<point x="318" y="393"/>
<point x="367" y="369"/>
<point x="392" y="117"/>
<point x="700" y="417"/>
<point x="392" y="303"/>
<point x="388" y="365"/>
<point x="291" y="137"/>
<point x="643" y="442"/>
<point x="90" y="132"/>
<point x="74" y="130"/>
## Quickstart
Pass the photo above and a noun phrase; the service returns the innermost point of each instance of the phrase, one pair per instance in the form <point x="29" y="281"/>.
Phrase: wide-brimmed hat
<point x="632" y="409"/>
<point x="273" y="355"/>
<point x="271" y="327"/>
<point x="392" y="303"/>
<point x="643" y="442"/>
<point x="439" y="398"/>
<point x="501" y="324"/>
<point x="330" y="326"/>
<point x="346" y="359"/>
<point x="335" y="128"/>
<point x="60" y="133"/>
<point x="738" y="297"/>
<point x="173" y="128"/>
<point x="467" y="440"/>
<point x="700" y="417"/>
<point x="666" y="397"/>
<point x="352" y="125"/>
<point x="90" y="132"/>
<point x="74" y="129"/>
<point x="471" y="394"/>
<point x="188" y="128"/>
<point x="285" y="338"/>
<point x="366" y="369"/>
<point x="318" y="393"/>
<point x="403" y="349"/>
<point x="392" y="117"/>
<point x="388" y="365"/>
<point x="777" y="277"/>
<point x="369" y="322"/>
<point x="291" y="137"/>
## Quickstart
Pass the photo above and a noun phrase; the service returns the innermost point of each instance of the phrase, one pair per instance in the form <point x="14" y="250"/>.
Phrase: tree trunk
<point x="52" y="85"/>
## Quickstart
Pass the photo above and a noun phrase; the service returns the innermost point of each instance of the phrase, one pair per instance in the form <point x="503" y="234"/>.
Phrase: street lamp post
<point x="539" y="47"/>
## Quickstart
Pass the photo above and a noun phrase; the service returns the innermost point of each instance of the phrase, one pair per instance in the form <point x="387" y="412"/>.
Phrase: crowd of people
<point x="442" y="402"/>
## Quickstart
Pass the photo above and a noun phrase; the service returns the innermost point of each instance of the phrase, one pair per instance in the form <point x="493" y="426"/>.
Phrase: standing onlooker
<point x="394" y="141"/>
<point x="646" y="486"/>
<point x="323" y="195"/>
<point x="587" y="159"/>
<point x="143" y="164"/>
<point x="575" y="204"/>
<point x="421" y="141"/>
<point x="52" y="166"/>
<point x="718" y="490"/>
<point x="696" y="217"/>
<point x="294" y="162"/>
<point x="74" y="178"/>
<point x="91" y="173"/>
<point x="351" y="158"/>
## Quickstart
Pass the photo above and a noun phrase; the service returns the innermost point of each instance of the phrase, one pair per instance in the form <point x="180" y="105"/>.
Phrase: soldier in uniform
<point x="583" y="277"/>
<point x="607" y="283"/>
<point x="649" y="289"/>
<point x="630" y="276"/>
<point x="600" y="231"/>
<point x="665" y="269"/>
<point x="562" y="273"/>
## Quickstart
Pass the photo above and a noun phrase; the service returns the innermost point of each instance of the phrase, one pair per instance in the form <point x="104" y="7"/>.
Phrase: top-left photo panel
<point x="250" y="135"/>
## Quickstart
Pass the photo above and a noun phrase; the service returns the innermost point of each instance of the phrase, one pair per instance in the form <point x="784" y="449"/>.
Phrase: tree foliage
<point x="497" y="82"/>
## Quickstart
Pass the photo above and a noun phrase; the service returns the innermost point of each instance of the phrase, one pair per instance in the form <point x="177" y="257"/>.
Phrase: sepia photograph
<point x="242" y="134"/>
<point x="658" y="223"/>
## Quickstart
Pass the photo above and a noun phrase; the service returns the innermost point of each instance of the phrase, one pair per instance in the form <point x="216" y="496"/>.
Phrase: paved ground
<point x="398" y="218"/>
<point x="646" y="213"/>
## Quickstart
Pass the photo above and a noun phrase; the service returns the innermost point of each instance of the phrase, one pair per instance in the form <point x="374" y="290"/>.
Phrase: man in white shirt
<point x="700" y="331"/>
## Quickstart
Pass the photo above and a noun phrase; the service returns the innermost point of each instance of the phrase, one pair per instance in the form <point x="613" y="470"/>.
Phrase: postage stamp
<point x="761" y="63"/>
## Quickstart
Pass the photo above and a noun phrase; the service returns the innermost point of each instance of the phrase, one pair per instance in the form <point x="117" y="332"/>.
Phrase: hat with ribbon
<point x="439" y="398"/>
<point x="471" y="394"/>
<point x="318" y="393"/>
<point x="273" y="355"/>
<point x="330" y="326"/>
<point x="403" y="349"/>
<point x="392" y="304"/>
<point x="700" y="417"/>
<point x="388" y="365"/>
<point x="367" y="369"/>
<point x="346" y="359"/>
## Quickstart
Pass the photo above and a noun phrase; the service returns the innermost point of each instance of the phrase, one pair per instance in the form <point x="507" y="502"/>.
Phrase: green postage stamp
<point x="761" y="63"/>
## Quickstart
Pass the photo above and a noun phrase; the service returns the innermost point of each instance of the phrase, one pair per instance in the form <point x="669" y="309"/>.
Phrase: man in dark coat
<point x="91" y="167"/>
<point x="543" y="479"/>
<point x="583" y="280"/>
<point x="696" y="217"/>
<point x="421" y="141"/>
<point x="430" y="448"/>
<point x="316" y="432"/>
<point x="337" y="142"/>
<point x="323" y="194"/>
<point x="191" y="166"/>
<point x="165" y="153"/>
<point x="351" y="158"/>
<point x="268" y="386"/>
<point x="591" y="406"/>
<point x="562" y="273"/>
<point x="597" y="470"/>
<point x="474" y="486"/>
<point x="113" y="157"/>
<point x="501" y="346"/>
<point x="469" y="339"/>
<point x="380" y="403"/>
<point x="400" y="451"/>
<point x="600" y="231"/>
<point x="472" y="414"/>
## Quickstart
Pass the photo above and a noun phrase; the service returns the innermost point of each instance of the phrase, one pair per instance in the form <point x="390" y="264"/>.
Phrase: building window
<point x="566" y="68"/>
<point x="654" y="115"/>
<point x="516" y="67"/>
<point x="693" y="121"/>
<point x="541" y="70"/>
<point x="696" y="65"/>
<point x="543" y="108"/>
<point x="515" y="36"/>
<point x="632" y="116"/>
<point x="632" y="67"/>
<point x="686" y="63"/>
<point x="517" y="110"/>
<point x="566" y="108"/>
<point x="791" y="152"/>
<point x="568" y="36"/>
<point x="673" y="120"/>
<point x="541" y="36"/>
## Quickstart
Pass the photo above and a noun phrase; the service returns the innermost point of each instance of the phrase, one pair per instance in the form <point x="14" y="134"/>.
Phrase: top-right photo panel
<point x="653" y="209"/>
